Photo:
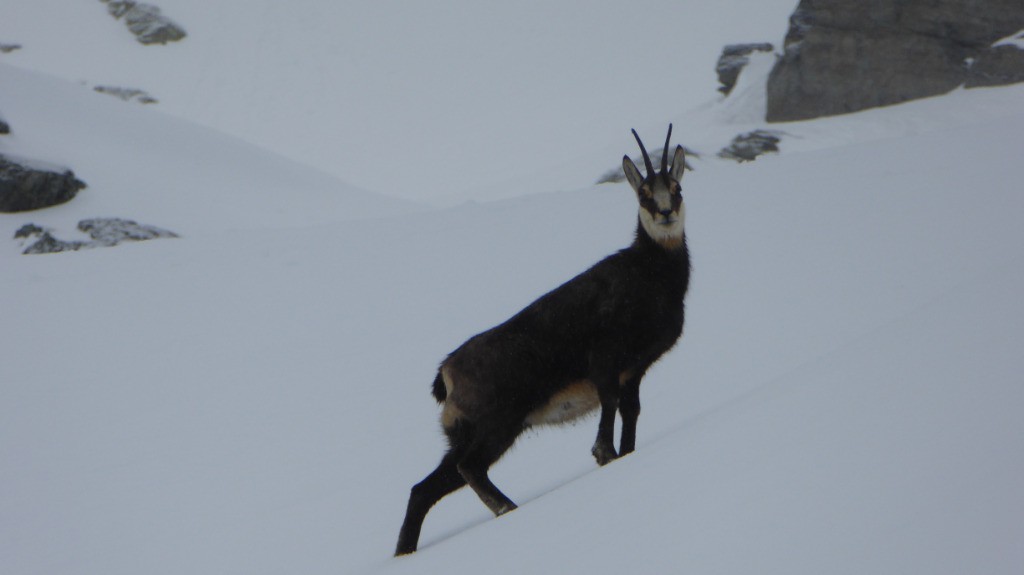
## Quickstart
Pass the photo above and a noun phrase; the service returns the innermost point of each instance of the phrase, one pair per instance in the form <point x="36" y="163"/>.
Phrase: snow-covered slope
<point x="253" y="397"/>
<point x="844" y="400"/>
<point x="145" y="165"/>
<point x="427" y="101"/>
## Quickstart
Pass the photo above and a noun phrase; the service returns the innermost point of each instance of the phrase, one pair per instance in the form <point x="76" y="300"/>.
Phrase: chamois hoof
<point x="604" y="453"/>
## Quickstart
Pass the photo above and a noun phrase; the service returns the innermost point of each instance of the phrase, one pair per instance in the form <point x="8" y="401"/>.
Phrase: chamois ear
<point x="678" y="164"/>
<point x="632" y="174"/>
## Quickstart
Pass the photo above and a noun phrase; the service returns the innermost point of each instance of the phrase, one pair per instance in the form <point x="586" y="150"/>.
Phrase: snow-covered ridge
<point x="413" y="100"/>
<point x="145" y="165"/>
<point x="843" y="398"/>
<point x="253" y="396"/>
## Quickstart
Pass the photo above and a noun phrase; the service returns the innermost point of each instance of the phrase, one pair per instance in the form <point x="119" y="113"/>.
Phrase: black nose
<point x="666" y="212"/>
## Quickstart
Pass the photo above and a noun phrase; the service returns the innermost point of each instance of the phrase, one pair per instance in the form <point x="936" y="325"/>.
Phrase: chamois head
<point x="662" y="212"/>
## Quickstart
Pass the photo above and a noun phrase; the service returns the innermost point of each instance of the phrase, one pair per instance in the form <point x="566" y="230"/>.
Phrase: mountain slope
<point x="145" y="165"/>
<point x="451" y="99"/>
<point x="255" y="398"/>
<point x="895" y="453"/>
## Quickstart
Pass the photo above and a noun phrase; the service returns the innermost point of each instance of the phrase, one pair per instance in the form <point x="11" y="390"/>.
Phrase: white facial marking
<point x="667" y="230"/>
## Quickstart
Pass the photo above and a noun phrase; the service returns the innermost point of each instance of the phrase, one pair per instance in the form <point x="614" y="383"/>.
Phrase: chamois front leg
<point x="629" y="409"/>
<point x="604" y="446"/>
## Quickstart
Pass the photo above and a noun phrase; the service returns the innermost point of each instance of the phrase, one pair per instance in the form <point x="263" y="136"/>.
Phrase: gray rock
<point x="732" y="61"/>
<point x="998" y="66"/>
<point x="104" y="232"/>
<point x="146" y="21"/>
<point x="31" y="186"/>
<point x="112" y="231"/>
<point x="8" y="48"/>
<point x="842" y="56"/>
<point x="28" y="231"/>
<point x="5" y="128"/>
<point x="127" y="94"/>
<point x="46" y="243"/>
<point x="747" y="147"/>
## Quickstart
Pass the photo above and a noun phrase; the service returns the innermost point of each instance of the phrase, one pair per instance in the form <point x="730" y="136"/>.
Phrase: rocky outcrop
<point x="747" y="147"/>
<point x="7" y="48"/>
<point x="146" y="21"/>
<point x="732" y="61"/>
<point x="1001" y="65"/>
<point x="45" y="242"/>
<point x="103" y="232"/>
<point x="127" y="94"/>
<point x="28" y="186"/>
<point x="842" y="56"/>
<point x="5" y="128"/>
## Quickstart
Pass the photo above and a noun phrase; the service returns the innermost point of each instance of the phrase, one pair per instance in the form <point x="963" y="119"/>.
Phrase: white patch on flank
<point x="573" y="402"/>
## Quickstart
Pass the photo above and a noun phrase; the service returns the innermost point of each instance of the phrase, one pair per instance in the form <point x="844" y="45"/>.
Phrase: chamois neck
<point x="670" y="244"/>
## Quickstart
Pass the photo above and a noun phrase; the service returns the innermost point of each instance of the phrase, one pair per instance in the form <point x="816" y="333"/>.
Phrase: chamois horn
<point x="647" y="159"/>
<point x="664" y="154"/>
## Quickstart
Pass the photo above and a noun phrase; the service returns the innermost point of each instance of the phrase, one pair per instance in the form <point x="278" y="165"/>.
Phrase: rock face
<point x="997" y="67"/>
<point x="747" y="147"/>
<point x="732" y="61"/>
<point x="24" y="187"/>
<point x="842" y="56"/>
<point x="104" y="232"/>
<point x="127" y="94"/>
<point x="145" y="21"/>
<point x="46" y="243"/>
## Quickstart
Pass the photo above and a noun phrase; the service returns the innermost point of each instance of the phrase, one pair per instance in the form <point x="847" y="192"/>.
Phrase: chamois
<point x="584" y="345"/>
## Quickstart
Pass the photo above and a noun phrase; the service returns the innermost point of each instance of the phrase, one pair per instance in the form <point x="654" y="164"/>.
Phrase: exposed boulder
<point x="1000" y="65"/>
<point x="747" y="147"/>
<point x="146" y="21"/>
<point x="46" y="243"/>
<point x="31" y="186"/>
<point x="5" y="128"/>
<point x="104" y="232"/>
<point x="112" y="231"/>
<point x="732" y="61"/>
<point x="842" y="56"/>
<point x="127" y="94"/>
<point x="7" y="48"/>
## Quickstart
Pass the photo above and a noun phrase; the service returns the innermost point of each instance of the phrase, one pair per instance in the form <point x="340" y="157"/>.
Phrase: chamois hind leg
<point x="484" y="451"/>
<point x="442" y="481"/>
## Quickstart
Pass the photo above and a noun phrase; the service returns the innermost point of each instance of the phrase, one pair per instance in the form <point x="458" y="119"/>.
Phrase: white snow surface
<point x="436" y="101"/>
<point x="1015" y="40"/>
<point x="253" y="397"/>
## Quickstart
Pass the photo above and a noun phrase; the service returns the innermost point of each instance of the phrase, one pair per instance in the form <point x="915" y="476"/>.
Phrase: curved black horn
<point x="664" y="154"/>
<point x="647" y="159"/>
